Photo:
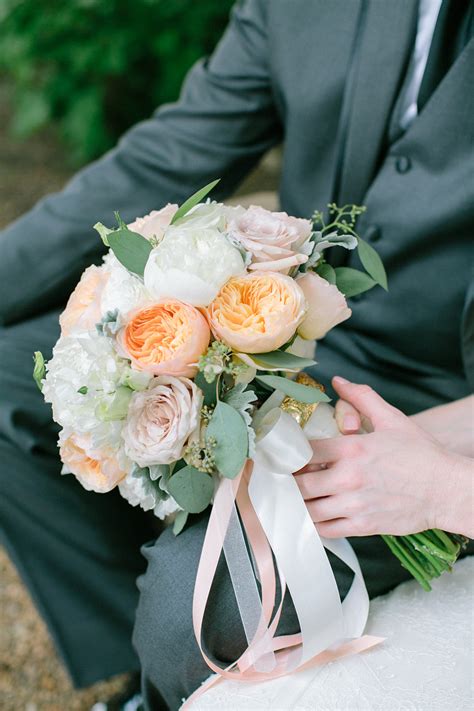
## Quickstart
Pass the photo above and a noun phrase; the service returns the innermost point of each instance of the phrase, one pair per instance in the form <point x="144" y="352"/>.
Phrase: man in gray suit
<point x="335" y="81"/>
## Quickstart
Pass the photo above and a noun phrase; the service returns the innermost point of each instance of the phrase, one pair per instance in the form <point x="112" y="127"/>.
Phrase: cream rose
<point x="154" y="225"/>
<point x="191" y="265"/>
<point x="276" y="241"/>
<point x="161" y="419"/>
<point x="257" y="312"/>
<point x="326" y="306"/>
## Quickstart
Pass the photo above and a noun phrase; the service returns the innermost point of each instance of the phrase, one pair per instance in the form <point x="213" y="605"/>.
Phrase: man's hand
<point x="396" y="479"/>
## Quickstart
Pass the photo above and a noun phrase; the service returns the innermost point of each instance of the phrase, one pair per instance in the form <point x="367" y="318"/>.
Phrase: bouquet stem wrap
<point x="276" y="523"/>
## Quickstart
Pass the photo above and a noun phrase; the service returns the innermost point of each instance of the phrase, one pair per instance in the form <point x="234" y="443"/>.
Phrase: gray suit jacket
<point x="279" y="74"/>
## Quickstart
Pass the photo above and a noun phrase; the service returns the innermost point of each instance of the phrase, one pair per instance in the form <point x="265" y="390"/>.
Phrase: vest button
<point x="403" y="164"/>
<point x="373" y="233"/>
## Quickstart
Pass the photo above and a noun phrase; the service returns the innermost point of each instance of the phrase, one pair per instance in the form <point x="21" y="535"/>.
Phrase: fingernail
<point x="350" y="423"/>
<point x="340" y="381"/>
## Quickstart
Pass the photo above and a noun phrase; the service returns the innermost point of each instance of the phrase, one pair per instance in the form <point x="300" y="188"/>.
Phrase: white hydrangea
<point x="124" y="292"/>
<point x="85" y="382"/>
<point x="138" y="492"/>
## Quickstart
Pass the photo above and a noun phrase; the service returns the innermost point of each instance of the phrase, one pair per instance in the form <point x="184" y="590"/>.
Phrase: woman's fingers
<point x="317" y="483"/>
<point x="338" y="506"/>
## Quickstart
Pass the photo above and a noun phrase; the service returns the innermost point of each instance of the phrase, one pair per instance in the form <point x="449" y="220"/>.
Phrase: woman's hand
<point x="396" y="480"/>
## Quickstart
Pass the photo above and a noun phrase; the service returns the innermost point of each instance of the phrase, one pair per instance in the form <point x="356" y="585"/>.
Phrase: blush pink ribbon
<point x="277" y="526"/>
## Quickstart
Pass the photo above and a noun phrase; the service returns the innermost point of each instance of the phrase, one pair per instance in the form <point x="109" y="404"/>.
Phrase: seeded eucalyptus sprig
<point x="339" y="229"/>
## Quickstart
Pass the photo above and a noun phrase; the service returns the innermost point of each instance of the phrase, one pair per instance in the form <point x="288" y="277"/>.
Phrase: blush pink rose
<point x="275" y="241"/>
<point x="154" y="224"/>
<point x="161" y="419"/>
<point x="327" y="307"/>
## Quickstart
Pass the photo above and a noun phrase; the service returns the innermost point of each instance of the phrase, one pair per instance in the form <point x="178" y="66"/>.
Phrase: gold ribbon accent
<point x="301" y="411"/>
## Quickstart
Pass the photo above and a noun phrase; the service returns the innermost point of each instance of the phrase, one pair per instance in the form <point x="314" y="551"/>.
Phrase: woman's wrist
<point x="455" y="496"/>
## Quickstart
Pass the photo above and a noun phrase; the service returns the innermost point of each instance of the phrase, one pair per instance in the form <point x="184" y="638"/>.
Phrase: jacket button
<point x="403" y="164"/>
<point x="373" y="233"/>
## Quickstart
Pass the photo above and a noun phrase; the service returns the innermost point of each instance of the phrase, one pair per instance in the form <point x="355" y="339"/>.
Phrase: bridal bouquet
<point x="178" y="379"/>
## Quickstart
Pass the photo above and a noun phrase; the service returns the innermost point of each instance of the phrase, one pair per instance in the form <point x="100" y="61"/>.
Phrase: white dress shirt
<point x="428" y="12"/>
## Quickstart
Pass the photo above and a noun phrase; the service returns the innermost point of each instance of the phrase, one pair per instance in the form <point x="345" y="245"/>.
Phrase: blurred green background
<point x="95" y="67"/>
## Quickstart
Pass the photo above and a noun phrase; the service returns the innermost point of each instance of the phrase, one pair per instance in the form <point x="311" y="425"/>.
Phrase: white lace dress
<point x="425" y="664"/>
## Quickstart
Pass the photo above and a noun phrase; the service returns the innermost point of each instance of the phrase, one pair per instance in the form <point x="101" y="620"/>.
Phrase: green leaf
<point x="372" y="263"/>
<point x="180" y="522"/>
<point x="208" y="389"/>
<point x="352" y="282"/>
<point x="282" y="360"/>
<point x="191" y="488"/>
<point x="83" y="390"/>
<point x="39" y="369"/>
<point x="327" y="272"/>
<point x="131" y="249"/>
<point x="230" y="431"/>
<point x="302" y="393"/>
<point x="193" y="200"/>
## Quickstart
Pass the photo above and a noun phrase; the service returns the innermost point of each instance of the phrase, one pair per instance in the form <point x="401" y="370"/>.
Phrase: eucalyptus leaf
<point x="302" y="393"/>
<point x="208" y="389"/>
<point x="282" y="360"/>
<point x="327" y="272"/>
<point x="352" y="282"/>
<point x="180" y="522"/>
<point x="131" y="249"/>
<point x="191" y="488"/>
<point x="228" y="428"/>
<point x="193" y="200"/>
<point x="372" y="263"/>
<point x="39" y="369"/>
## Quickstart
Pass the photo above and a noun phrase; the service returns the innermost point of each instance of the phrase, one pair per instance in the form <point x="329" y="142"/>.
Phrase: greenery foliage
<point x="97" y="66"/>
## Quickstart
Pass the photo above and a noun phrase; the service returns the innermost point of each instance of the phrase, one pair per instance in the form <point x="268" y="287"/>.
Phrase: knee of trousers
<point x="163" y="634"/>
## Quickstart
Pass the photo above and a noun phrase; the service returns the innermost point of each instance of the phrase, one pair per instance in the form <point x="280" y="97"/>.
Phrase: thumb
<point x="366" y="401"/>
<point x="347" y="417"/>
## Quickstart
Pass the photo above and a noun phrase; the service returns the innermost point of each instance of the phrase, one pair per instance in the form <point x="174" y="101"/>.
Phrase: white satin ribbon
<point x="282" y="449"/>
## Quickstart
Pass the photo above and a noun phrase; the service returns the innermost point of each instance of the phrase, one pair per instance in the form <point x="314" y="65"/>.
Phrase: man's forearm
<point x="451" y="424"/>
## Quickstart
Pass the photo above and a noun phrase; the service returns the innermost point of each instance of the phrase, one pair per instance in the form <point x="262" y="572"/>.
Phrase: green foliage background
<point x="94" y="67"/>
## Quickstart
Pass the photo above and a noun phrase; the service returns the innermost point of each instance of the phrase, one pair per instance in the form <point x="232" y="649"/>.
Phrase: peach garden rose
<point x="165" y="339"/>
<point x="82" y="310"/>
<point x="96" y="468"/>
<point x="154" y="224"/>
<point x="257" y="312"/>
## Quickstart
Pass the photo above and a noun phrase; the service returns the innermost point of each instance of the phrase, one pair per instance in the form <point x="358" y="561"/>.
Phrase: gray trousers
<point x="79" y="554"/>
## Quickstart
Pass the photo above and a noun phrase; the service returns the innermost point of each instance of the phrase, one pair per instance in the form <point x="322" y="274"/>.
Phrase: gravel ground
<point x="31" y="676"/>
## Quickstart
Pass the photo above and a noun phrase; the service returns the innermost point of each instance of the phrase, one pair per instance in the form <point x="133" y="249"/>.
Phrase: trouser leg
<point x="78" y="552"/>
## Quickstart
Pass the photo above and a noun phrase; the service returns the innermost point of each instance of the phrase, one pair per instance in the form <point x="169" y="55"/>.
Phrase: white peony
<point x="138" y="492"/>
<point x="123" y="291"/>
<point x="192" y="265"/>
<point x="161" y="419"/>
<point x="85" y="384"/>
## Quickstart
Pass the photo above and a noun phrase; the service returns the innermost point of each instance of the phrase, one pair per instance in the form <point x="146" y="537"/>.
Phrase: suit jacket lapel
<point x="387" y="40"/>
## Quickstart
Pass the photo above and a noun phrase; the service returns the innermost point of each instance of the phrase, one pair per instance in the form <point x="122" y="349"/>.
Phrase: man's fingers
<point x="347" y="418"/>
<point x="366" y="401"/>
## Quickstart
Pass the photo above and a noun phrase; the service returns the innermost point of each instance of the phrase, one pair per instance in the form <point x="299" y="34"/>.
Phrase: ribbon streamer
<point x="276" y="523"/>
